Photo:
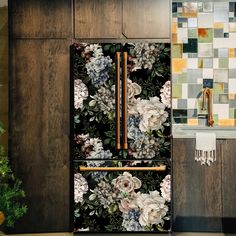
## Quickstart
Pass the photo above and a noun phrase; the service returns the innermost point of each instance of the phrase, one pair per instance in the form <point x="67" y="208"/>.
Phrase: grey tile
<point x="223" y="52"/>
<point x="194" y="90"/>
<point x="208" y="62"/>
<point x="219" y="33"/>
<point x="216" y="53"/>
<point x="193" y="75"/>
<point x="207" y="6"/>
<point x="215" y="98"/>
<point x="182" y="104"/>
<point x="232" y="103"/>
<point x="192" y="113"/>
<point x="232" y="73"/>
<point x="221" y="75"/>
<point x="223" y="98"/>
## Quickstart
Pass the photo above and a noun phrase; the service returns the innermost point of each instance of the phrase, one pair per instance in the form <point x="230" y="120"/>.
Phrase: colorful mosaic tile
<point x="204" y="56"/>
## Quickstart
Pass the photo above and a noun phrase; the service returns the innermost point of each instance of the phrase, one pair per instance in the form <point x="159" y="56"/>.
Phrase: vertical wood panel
<point x="98" y="18"/>
<point x="229" y="185"/>
<point x="40" y="131"/>
<point x="146" y="19"/>
<point x="40" y="19"/>
<point x="197" y="201"/>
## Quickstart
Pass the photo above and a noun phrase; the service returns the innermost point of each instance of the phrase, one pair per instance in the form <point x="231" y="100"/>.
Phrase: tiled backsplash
<point x="204" y="55"/>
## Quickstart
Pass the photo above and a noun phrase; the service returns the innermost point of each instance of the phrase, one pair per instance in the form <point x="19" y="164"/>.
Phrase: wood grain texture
<point x="40" y="131"/>
<point x="146" y="19"/>
<point x="98" y="19"/>
<point x="40" y="19"/>
<point x="229" y="185"/>
<point x="197" y="204"/>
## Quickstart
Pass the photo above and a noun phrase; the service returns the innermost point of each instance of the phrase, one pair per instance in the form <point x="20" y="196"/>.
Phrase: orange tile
<point x="192" y="121"/>
<point x="231" y="52"/>
<point x="174" y="38"/>
<point x="218" y="25"/>
<point x="174" y="28"/>
<point x="231" y="96"/>
<point x="226" y="122"/>
<point x="178" y="65"/>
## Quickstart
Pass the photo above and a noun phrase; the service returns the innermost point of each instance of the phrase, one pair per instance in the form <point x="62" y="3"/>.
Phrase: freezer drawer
<point x="116" y="201"/>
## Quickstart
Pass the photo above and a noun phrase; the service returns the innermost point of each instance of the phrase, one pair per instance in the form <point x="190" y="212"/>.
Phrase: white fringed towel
<point x="205" y="148"/>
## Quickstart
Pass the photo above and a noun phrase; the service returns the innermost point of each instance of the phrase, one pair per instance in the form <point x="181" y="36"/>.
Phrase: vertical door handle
<point x="117" y="89"/>
<point x="124" y="100"/>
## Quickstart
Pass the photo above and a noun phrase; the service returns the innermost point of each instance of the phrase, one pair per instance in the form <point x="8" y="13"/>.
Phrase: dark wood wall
<point x="40" y="35"/>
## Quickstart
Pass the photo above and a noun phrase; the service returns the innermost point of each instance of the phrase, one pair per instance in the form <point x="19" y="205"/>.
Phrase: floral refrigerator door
<point x="121" y="144"/>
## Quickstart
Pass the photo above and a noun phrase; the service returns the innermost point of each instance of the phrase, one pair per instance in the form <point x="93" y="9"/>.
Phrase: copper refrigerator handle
<point x="124" y="100"/>
<point x="117" y="100"/>
<point x="126" y="168"/>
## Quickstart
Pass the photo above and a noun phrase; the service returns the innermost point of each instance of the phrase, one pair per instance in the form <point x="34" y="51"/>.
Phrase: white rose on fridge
<point x="152" y="207"/>
<point x="126" y="182"/>
<point x="152" y="113"/>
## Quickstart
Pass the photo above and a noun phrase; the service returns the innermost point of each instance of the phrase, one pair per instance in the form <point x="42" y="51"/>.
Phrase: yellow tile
<point x="192" y="121"/>
<point x="231" y="96"/>
<point x="226" y="122"/>
<point x="174" y="38"/>
<point x="189" y="14"/>
<point x="178" y="65"/>
<point x="200" y="63"/>
<point x="218" y="25"/>
<point x="174" y="28"/>
<point x="231" y="52"/>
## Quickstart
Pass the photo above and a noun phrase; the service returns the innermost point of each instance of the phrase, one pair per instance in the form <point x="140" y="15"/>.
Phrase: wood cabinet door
<point x="98" y="19"/>
<point x="146" y="19"/>
<point x="229" y="185"/>
<point x="197" y="203"/>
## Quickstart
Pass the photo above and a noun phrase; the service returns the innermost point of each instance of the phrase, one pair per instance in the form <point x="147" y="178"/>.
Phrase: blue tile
<point x="207" y="83"/>
<point x="174" y="7"/>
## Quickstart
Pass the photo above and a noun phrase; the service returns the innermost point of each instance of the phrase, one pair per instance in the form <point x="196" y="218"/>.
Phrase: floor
<point x="173" y="234"/>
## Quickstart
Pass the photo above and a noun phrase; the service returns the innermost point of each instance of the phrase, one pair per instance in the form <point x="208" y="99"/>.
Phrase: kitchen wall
<point x="4" y="73"/>
<point x="204" y="55"/>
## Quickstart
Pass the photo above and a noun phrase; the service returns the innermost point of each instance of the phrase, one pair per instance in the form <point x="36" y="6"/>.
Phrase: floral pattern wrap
<point x="121" y="201"/>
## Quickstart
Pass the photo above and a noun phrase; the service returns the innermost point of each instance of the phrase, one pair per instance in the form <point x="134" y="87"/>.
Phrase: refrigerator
<point x="121" y="137"/>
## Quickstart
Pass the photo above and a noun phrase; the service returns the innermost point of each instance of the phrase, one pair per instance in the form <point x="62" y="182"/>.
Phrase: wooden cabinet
<point x="40" y="19"/>
<point x="229" y="185"/>
<point x="204" y="197"/>
<point x="39" y="132"/>
<point x="146" y="19"/>
<point x="128" y="19"/>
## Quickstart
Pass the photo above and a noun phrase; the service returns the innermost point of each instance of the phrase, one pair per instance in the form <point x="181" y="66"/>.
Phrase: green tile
<point x="223" y="62"/>
<point x="176" y="90"/>
<point x="205" y="35"/>
<point x="182" y="78"/>
<point x="177" y="50"/>
<point x="231" y="113"/>
<point x="218" y="88"/>
<point x="215" y="118"/>
<point x="192" y="33"/>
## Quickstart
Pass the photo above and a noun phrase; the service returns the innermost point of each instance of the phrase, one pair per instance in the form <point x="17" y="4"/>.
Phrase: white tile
<point x="221" y="12"/>
<point x="223" y="52"/>
<point x="232" y="27"/>
<point x="232" y="63"/>
<point x="222" y="110"/>
<point x="232" y="86"/>
<point x="215" y="63"/>
<point x="192" y="22"/>
<point x="184" y="25"/>
<point x="225" y="42"/>
<point x="185" y="55"/>
<point x="184" y="91"/>
<point x="231" y="14"/>
<point x="192" y="103"/>
<point x="207" y="73"/>
<point x="221" y="75"/>
<point x="205" y="50"/>
<point x="174" y="103"/>
<point x="192" y="63"/>
<point x="185" y="40"/>
<point x="174" y="19"/>
<point x="182" y="33"/>
<point x="205" y="20"/>
<point x="226" y="27"/>
<point x="199" y="81"/>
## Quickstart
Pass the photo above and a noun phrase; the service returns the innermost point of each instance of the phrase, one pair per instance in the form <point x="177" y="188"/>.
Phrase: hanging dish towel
<point x="205" y="148"/>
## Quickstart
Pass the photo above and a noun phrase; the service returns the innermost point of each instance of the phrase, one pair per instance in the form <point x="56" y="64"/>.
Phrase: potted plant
<point x="11" y="193"/>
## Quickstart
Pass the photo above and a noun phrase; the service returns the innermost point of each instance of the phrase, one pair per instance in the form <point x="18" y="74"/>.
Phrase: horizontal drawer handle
<point x="126" y="168"/>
